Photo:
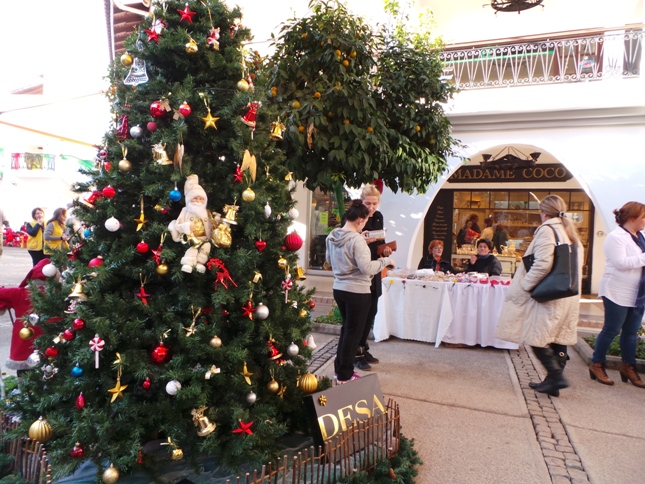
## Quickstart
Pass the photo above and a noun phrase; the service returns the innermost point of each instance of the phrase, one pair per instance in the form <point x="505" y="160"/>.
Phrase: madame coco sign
<point x="337" y="409"/>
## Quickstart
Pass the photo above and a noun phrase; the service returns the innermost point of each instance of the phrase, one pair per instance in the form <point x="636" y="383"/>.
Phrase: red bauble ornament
<point x="69" y="335"/>
<point x="312" y="304"/>
<point x="152" y="126"/>
<point x="107" y="165"/>
<point x="293" y="241"/>
<point x="160" y="354"/>
<point x="260" y="245"/>
<point x="108" y="192"/>
<point x="142" y="247"/>
<point x="51" y="352"/>
<point x="77" y="451"/>
<point x="95" y="262"/>
<point x="146" y="384"/>
<point x="80" y="402"/>
<point x="78" y="324"/>
<point x="158" y="109"/>
<point x="185" y="109"/>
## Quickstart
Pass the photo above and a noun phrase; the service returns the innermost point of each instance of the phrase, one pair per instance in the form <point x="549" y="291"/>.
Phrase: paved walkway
<point x="474" y="418"/>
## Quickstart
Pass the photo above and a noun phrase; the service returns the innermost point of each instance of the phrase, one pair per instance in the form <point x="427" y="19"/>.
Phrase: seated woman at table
<point x="433" y="259"/>
<point x="484" y="261"/>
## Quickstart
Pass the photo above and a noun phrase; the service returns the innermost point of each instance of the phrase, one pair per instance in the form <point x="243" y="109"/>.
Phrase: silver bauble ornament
<point x="251" y="397"/>
<point x="172" y="387"/>
<point x="293" y="349"/>
<point x="293" y="213"/>
<point x="33" y="318"/>
<point x="136" y="131"/>
<point x="34" y="359"/>
<point x="261" y="312"/>
<point x="112" y="224"/>
<point x="267" y="210"/>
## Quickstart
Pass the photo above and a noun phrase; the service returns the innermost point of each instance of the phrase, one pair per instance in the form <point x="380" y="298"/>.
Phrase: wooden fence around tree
<point x="356" y="449"/>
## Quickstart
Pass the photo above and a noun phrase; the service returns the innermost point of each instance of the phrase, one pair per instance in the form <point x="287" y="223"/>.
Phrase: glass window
<point x="479" y="200"/>
<point x="499" y="200"/>
<point x="324" y="217"/>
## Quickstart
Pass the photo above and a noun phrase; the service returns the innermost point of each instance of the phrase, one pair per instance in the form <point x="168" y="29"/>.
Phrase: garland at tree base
<point x="401" y="468"/>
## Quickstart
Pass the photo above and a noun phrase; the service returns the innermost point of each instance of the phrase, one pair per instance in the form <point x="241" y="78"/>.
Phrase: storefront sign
<point x="547" y="172"/>
<point x="335" y="410"/>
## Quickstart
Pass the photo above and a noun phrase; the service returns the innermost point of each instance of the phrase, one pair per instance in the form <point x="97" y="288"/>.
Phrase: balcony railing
<point x="610" y="54"/>
<point x="33" y="161"/>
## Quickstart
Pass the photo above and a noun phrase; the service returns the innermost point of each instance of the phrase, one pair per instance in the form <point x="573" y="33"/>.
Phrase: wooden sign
<point x="336" y="409"/>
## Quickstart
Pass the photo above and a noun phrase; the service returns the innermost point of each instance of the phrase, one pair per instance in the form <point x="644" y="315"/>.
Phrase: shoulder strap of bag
<point x="555" y="232"/>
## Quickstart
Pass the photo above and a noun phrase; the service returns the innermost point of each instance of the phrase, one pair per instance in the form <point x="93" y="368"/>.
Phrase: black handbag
<point x="562" y="281"/>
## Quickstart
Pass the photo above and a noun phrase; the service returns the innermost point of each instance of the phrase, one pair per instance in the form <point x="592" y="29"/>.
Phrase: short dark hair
<point x="485" y="241"/>
<point x="356" y="210"/>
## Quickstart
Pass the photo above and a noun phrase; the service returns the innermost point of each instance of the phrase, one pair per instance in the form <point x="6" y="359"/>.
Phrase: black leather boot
<point x="561" y="357"/>
<point x="553" y="364"/>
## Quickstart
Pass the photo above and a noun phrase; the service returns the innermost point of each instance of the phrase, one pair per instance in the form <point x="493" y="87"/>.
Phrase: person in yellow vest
<point x="35" y="230"/>
<point x="55" y="235"/>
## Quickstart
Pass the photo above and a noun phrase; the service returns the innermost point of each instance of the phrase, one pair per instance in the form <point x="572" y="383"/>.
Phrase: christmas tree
<point x="177" y="316"/>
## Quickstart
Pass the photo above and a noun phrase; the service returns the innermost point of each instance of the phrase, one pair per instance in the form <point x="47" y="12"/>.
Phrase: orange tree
<point x="359" y="103"/>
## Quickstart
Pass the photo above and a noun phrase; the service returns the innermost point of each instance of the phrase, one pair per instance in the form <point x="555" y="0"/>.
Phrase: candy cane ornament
<point x="96" y="345"/>
<point x="286" y="285"/>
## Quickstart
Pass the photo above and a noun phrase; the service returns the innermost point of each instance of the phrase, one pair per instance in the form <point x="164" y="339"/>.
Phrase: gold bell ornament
<point x="282" y="263"/>
<point x="200" y="420"/>
<point x="276" y="130"/>
<point x="191" y="46"/>
<point x="300" y="274"/>
<point x="78" y="293"/>
<point x="177" y="453"/>
<point x="159" y="154"/>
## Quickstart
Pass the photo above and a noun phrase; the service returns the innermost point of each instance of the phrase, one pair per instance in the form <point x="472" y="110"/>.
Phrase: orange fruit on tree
<point x="370" y="129"/>
<point x="295" y="105"/>
<point x="346" y="63"/>
<point x="417" y="128"/>
<point x="330" y="114"/>
<point x="304" y="36"/>
<point x="317" y="95"/>
<point x="353" y="54"/>
<point x="301" y="129"/>
<point x="346" y="121"/>
<point x="338" y="52"/>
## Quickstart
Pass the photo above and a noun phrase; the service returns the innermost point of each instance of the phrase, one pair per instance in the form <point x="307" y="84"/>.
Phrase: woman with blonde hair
<point x="35" y="230"/>
<point x="55" y="235"/>
<point x="622" y="289"/>
<point x="548" y="327"/>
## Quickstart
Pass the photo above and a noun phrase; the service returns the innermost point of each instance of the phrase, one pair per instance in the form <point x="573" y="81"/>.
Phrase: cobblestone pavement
<point x="323" y="354"/>
<point x="560" y="456"/>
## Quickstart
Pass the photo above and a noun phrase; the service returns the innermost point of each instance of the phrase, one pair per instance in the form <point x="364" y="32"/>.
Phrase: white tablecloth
<point x="437" y="312"/>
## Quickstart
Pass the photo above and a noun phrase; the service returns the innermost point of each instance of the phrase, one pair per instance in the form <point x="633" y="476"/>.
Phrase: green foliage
<point x="403" y="466"/>
<point x="116" y="432"/>
<point x="332" y="317"/>
<point x="359" y="104"/>
<point x="614" y="348"/>
<point x="10" y="383"/>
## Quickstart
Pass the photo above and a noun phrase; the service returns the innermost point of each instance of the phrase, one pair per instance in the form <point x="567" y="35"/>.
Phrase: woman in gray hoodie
<point x="353" y="268"/>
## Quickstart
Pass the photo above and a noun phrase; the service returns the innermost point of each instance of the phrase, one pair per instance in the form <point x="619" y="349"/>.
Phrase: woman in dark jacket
<point x="433" y="259"/>
<point x="484" y="262"/>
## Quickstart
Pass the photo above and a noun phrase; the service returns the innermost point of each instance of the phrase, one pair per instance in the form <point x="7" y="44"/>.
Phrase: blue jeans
<point x="623" y="320"/>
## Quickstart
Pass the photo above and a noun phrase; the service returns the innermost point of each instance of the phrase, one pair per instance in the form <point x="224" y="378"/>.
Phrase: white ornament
<point x="172" y="387"/>
<point x="34" y="359"/>
<point x="33" y="319"/>
<point x="262" y="312"/>
<point x="267" y="210"/>
<point x="50" y="270"/>
<point x="136" y="131"/>
<point x="293" y="213"/>
<point x="293" y="349"/>
<point x="251" y="397"/>
<point x="310" y="342"/>
<point x="112" y="224"/>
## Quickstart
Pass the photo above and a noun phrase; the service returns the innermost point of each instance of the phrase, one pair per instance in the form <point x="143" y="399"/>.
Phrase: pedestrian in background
<point x="35" y="231"/>
<point x="55" y="235"/>
<point x="548" y="327"/>
<point x="3" y="222"/>
<point x="622" y="289"/>
<point x="350" y="260"/>
<point x="371" y="197"/>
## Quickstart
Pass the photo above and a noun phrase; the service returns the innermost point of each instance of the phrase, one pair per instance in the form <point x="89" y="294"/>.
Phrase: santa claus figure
<point x="193" y="227"/>
<point x="18" y="300"/>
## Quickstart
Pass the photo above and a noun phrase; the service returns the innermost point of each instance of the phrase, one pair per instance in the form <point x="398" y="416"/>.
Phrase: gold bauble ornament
<point x="162" y="269"/>
<point x="282" y="263"/>
<point x="308" y="383"/>
<point x="111" y="475"/>
<point x="126" y="60"/>
<point x="41" y="431"/>
<point x="215" y="342"/>
<point x="177" y="454"/>
<point x="125" y="166"/>
<point x="242" y="85"/>
<point x="273" y="386"/>
<point x="26" y="333"/>
<point x="248" y="195"/>
<point x="303" y="313"/>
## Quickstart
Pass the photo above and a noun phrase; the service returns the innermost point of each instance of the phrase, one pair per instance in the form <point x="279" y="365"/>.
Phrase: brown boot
<point x="628" y="372"/>
<point x="597" y="372"/>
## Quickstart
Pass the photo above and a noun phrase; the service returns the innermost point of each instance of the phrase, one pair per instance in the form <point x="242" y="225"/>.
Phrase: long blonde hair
<point x="553" y="206"/>
<point x="370" y="190"/>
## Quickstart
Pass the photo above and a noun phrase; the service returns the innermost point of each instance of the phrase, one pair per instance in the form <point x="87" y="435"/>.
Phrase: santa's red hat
<point x="36" y="272"/>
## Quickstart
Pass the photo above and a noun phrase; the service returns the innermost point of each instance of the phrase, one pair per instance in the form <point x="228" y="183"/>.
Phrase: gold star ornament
<point x="117" y="391"/>
<point x="322" y="400"/>
<point x="246" y="374"/>
<point x="209" y="120"/>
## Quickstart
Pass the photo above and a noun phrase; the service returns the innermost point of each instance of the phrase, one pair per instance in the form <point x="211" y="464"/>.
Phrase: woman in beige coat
<point x="550" y="326"/>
